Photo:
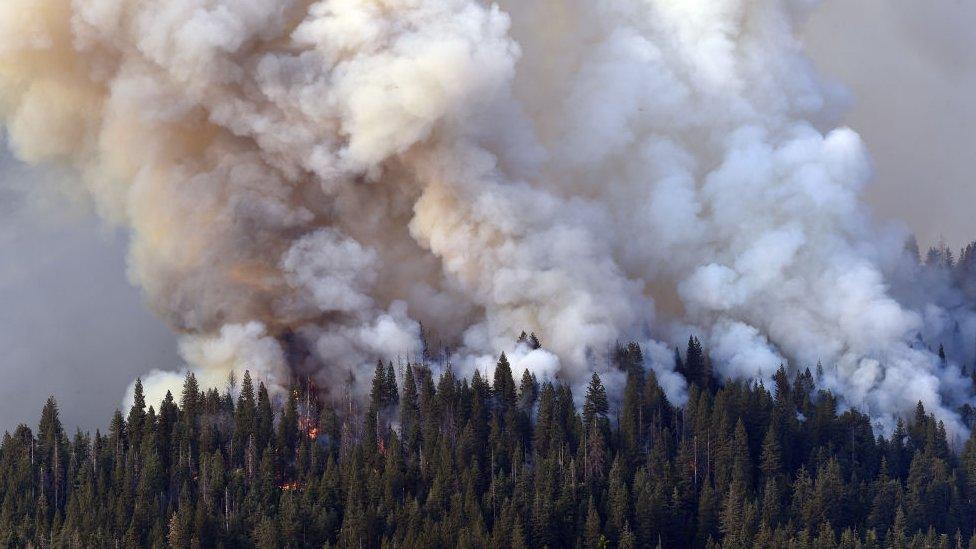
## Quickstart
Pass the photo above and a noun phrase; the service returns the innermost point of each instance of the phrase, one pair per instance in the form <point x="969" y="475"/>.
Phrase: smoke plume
<point x="343" y="176"/>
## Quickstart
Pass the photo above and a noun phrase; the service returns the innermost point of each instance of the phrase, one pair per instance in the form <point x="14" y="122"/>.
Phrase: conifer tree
<point x="695" y="362"/>
<point x="392" y="392"/>
<point x="264" y="419"/>
<point x="596" y="405"/>
<point x="631" y="412"/>
<point x="287" y="437"/>
<point x="618" y="505"/>
<point x="409" y="412"/>
<point x="528" y="390"/>
<point x="503" y="385"/>
<point x="594" y="538"/>
<point x="379" y="392"/>
<point x="136" y="414"/>
<point x="734" y="466"/>
<point x="741" y="462"/>
<point x="771" y="463"/>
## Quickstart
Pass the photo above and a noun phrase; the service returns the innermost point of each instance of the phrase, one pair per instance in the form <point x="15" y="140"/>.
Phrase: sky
<point x="67" y="306"/>
<point x="71" y="325"/>
<point x="910" y="67"/>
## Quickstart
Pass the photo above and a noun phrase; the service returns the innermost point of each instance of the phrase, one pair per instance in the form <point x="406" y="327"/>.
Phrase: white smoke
<point x="341" y="172"/>
<point x="236" y="349"/>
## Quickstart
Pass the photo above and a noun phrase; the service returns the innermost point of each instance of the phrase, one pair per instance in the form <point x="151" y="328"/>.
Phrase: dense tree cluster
<point x="445" y="462"/>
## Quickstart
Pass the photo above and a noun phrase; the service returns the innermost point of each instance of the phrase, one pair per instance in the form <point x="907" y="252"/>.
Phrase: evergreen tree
<point x="695" y="367"/>
<point x="594" y="538"/>
<point x="771" y="463"/>
<point x="503" y="385"/>
<point x="528" y="390"/>
<point x="632" y="412"/>
<point x="596" y="404"/>
<point x="409" y="412"/>
<point x="137" y="414"/>
<point x="379" y="394"/>
<point x="473" y="463"/>
<point x="264" y="419"/>
<point x="392" y="393"/>
<point x="618" y="505"/>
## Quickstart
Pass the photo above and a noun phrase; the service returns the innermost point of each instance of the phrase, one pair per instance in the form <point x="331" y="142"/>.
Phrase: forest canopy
<point x="449" y="462"/>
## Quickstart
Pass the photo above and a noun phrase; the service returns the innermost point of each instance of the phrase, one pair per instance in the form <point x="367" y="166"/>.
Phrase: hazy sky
<point x="911" y="67"/>
<point x="71" y="325"/>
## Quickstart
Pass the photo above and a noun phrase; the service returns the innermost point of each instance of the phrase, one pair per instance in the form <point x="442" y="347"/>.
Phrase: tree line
<point x="451" y="462"/>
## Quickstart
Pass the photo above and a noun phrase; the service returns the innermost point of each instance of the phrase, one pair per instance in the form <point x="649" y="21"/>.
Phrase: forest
<point x="694" y="204"/>
<point x="444" y="461"/>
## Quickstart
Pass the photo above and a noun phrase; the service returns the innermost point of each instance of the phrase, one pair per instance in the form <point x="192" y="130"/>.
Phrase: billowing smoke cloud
<point x="321" y="179"/>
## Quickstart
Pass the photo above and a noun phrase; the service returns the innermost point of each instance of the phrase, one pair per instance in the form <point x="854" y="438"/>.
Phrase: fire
<point x="307" y="426"/>
<point x="307" y="410"/>
<point x="291" y="486"/>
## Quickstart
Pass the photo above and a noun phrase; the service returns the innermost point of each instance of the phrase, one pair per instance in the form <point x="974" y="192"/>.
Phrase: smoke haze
<point x="70" y="324"/>
<point x="308" y="186"/>
<point x="911" y="68"/>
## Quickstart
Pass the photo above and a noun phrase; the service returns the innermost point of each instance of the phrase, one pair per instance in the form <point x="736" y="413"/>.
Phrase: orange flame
<point x="307" y="426"/>
<point x="291" y="486"/>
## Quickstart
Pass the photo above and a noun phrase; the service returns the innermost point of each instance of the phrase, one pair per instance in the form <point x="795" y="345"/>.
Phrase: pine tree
<point x="596" y="405"/>
<point x="733" y="513"/>
<point x="137" y="413"/>
<point x="190" y="416"/>
<point x="246" y="404"/>
<point x="379" y="393"/>
<point x="741" y="461"/>
<point x="177" y="535"/>
<point x="518" y="535"/>
<point x="771" y="463"/>
<point x="542" y="473"/>
<point x="190" y="397"/>
<point x="708" y="514"/>
<point x="266" y="534"/>
<point x="618" y="505"/>
<point x="287" y="437"/>
<point x="528" y="390"/>
<point x="409" y="412"/>
<point x="377" y="403"/>
<point x="695" y="369"/>
<point x="245" y="418"/>
<point x="503" y="385"/>
<point x="771" y="503"/>
<point x="264" y="419"/>
<point x="392" y="393"/>
<point x="627" y="538"/>
<point x="52" y="458"/>
<point x="826" y="538"/>
<point x="594" y="538"/>
<point x="631" y="413"/>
